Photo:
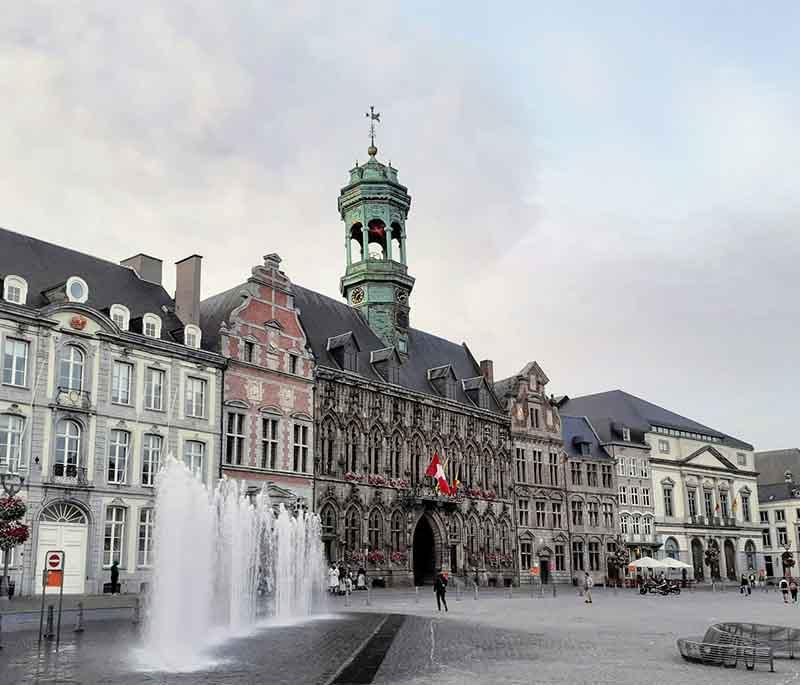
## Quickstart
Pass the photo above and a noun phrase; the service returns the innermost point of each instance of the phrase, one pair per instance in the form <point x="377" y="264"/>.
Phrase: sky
<point x="609" y="189"/>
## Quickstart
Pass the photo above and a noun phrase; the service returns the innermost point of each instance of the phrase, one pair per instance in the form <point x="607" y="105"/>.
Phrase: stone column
<point x="364" y="242"/>
<point x="389" y="241"/>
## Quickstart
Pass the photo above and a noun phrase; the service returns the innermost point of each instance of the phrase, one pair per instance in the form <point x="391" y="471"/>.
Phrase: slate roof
<point x="324" y="317"/>
<point x="578" y="428"/>
<point x="773" y="464"/>
<point x="505" y="385"/>
<point x="641" y="415"/>
<point x="45" y="265"/>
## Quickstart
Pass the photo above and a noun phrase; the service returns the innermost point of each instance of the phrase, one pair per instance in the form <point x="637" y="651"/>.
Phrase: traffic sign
<point x="55" y="561"/>
<point x="55" y="578"/>
<point x="534" y="571"/>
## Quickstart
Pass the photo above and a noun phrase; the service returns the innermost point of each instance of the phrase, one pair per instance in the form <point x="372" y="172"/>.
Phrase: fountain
<point x="224" y="564"/>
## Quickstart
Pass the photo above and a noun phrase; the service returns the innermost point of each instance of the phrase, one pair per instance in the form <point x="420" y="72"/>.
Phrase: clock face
<point x="401" y="296"/>
<point x="357" y="296"/>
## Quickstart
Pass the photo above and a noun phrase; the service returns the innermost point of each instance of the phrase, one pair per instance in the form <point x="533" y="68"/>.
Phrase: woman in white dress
<point x="333" y="579"/>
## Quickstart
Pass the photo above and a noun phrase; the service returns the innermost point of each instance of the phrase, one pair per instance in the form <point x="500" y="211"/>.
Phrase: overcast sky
<point x="611" y="193"/>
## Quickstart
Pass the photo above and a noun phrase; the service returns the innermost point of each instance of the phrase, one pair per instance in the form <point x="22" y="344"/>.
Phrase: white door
<point x="63" y="526"/>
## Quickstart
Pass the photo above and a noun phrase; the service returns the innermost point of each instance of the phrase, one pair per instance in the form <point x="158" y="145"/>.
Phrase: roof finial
<point x="373" y="117"/>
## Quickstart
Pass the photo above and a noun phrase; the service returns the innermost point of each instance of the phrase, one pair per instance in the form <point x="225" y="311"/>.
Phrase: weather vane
<point x="373" y="117"/>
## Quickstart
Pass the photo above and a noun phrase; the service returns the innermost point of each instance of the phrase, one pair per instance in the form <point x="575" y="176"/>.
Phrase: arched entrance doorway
<point x="64" y="526"/>
<point x="697" y="559"/>
<point x="730" y="560"/>
<point x="424" y="552"/>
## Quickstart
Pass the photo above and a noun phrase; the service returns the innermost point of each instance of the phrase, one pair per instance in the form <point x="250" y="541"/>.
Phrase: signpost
<point x="53" y="576"/>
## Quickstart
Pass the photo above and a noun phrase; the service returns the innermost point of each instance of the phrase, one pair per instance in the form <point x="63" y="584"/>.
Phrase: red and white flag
<point x="436" y="470"/>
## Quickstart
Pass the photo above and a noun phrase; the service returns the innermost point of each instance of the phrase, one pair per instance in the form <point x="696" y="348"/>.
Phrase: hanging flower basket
<point x="376" y="556"/>
<point x="398" y="557"/>
<point x="354" y="557"/>
<point x="490" y="494"/>
<point x="354" y="477"/>
<point x="399" y="483"/>
<point x="787" y="559"/>
<point x="474" y="492"/>
<point x="376" y="479"/>
<point x="13" y="534"/>
<point x="507" y="559"/>
<point x="493" y="560"/>
<point x="11" y="508"/>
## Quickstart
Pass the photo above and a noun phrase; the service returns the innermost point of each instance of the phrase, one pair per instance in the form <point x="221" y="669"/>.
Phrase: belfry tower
<point x="374" y="207"/>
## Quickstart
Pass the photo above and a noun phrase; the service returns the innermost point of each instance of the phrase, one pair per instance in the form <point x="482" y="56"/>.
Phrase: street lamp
<point x="11" y="484"/>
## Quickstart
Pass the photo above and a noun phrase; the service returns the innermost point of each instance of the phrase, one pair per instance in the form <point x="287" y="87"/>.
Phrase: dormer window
<point x="121" y="316"/>
<point x="15" y="289"/>
<point x="626" y="434"/>
<point x="151" y="326"/>
<point x="191" y="336"/>
<point x="77" y="290"/>
<point x="584" y="449"/>
<point x="344" y="350"/>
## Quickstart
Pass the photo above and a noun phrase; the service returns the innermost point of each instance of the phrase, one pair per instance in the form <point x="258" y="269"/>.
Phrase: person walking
<point x="784" y="588"/>
<point x="793" y="590"/>
<point x="588" y="584"/>
<point x="333" y="579"/>
<point x="115" y="578"/>
<point x="744" y="586"/>
<point x="440" y="588"/>
<point x="361" y="579"/>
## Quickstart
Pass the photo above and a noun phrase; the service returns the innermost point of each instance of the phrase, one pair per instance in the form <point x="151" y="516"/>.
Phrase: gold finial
<point x="373" y="117"/>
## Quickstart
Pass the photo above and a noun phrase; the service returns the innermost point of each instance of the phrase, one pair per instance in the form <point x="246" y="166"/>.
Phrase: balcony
<point x="69" y="475"/>
<point x="429" y="497"/>
<point x="713" y="521"/>
<point x="80" y="400"/>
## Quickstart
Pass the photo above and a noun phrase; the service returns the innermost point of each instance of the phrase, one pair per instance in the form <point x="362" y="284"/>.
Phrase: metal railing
<point x="69" y="474"/>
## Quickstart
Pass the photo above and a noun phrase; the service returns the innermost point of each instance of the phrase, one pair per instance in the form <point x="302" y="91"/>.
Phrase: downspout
<point x="567" y="513"/>
<point x="314" y="456"/>
<point x="221" y="419"/>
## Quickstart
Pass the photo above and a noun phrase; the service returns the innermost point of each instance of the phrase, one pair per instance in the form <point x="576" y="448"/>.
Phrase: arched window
<point x="501" y="477"/>
<point x="70" y="376"/>
<point x="151" y="326"/>
<point x="636" y="527"/>
<point x="671" y="548"/>
<point x="121" y="316"/>
<point x="328" y="520"/>
<point x="417" y="450"/>
<point x="623" y="524"/>
<point x="191" y="336"/>
<point x="398" y="541"/>
<point x="473" y="539"/>
<point x="472" y="467"/>
<point x="375" y="444"/>
<point x="375" y="529"/>
<point x="505" y="538"/>
<point x="64" y="512"/>
<point x="10" y="442"/>
<point x="487" y="472"/>
<point x="750" y="554"/>
<point x="397" y="242"/>
<point x="353" y="438"/>
<point x="355" y="251"/>
<point x="15" y="289"/>
<point x="455" y="528"/>
<point x="395" y="456"/>
<point x="489" y="537"/>
<point x="68" y="448"/>
<point x="328" y="447"/>
<point x="352" y="529"/>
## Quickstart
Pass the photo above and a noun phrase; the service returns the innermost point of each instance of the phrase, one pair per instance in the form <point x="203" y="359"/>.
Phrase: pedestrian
<point x="333" y="579"/>
<point x="784" y="588"/>
<point x="744" y="586"/>
<point x="115" y="578"/>
<point x="751" y="582"/>
<point x="793" y="590"/>
<point x="348" y="583"/>
<point x="476" y="580"/>
<point x="342" y="578"/>
<point x="440" y="588"/>
<point x="588" y="584"/>
<point x="361" y="580"/>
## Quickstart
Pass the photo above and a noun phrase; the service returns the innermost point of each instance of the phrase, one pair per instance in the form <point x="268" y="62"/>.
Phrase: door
<point x="64" y="527"/>
<point x="544" y="570"/>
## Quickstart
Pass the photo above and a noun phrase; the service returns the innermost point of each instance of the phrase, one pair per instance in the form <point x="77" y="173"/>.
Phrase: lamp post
<point x="11" y="484"/>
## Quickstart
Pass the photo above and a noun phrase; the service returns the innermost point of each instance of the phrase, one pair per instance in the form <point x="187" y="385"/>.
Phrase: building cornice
<point x="683" y="466"/>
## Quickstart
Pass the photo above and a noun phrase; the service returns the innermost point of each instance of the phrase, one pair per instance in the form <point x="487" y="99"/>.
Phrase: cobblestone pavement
<point x="401" y="640"/>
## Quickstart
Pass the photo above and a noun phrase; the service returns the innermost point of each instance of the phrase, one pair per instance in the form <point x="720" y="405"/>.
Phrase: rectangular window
<point x="708" y="500"/>
<point x="522" y="510"/>
<point x="534" y="414"/>
<point x="764" y="515"/>
<point x="114" y="536"/>
<point x="606" y="473"/>
<point x="11" y="430"/>
<point x="556" y="509"/>
<point x="194" y="453"/>
<point x="525" y="555"/>
<point x="575" y="470"/>
<point x="746" y="508"/>
<point x="594" y="556"/>
<point x="538" y="467"/>
<point x="647" y="526"/>
<point x="553" y="468"/>
<point x="8" y="554"/>
<point x="741" y="459"/>
<point x="577" y="513"/>
<point x="692" y="495"/>
<point x="621" y="466"/>
<point x="591" y="475"/>
<point x="645" y="497"/>
<point x="663" y="446"/>
<point x="196" y="397"/>
<point x="626" y="434"/>
<point x="623" y="494"/>
<point x="151" y="458"/>
<point x="608" y="515"/>
<point x="118" y="456"/>
<point x="234" y="439"/>
<point x="783" y="538"/>
<point x="780" y="515"/>
<point x="644" y="471"/>
<point x="292" y="363"/>
<point x="15" y="362"/>
<point x="269" y="443"/>
<point x="541" y="515"/>
<point x="145" y="549"/>
<point x="593" y="513"/>
<point x="522" y="467"/>
<point x="766" y="538"/>
<point x="559" y="554"/>
<point x="635" y="497"/>
<point x="154" y="389"/>
<point x="121" y="376"/>
<point x="577" y="555"/>
<point x="723" y="504"/>
<point x="632" y="467"/>
<point x="667" y="501"/>
<point x="636" y="527"/>
<point x="623" y="524"/>
<point x="249" y="349"/>
<point x="300" y="448"/>
<point x="150" y="328"/>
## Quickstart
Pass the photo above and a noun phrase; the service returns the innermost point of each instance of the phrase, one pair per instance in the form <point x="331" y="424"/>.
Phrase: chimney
<point x="787" y="477"/>
<point x="187" y="289"/>
<point x="147" y="268"/>
<point x="487" y="369"/>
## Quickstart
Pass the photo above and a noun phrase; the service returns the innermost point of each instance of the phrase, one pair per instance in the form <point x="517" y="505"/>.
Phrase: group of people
<point x="342" y="580"/>
<point x="788" y="586"/>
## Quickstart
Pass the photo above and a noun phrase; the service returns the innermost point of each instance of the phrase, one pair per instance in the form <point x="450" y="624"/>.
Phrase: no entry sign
<point x="55" y="561"/>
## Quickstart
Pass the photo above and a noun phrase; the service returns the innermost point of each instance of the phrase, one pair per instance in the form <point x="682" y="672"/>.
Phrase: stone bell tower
<point x="374" y="207"/>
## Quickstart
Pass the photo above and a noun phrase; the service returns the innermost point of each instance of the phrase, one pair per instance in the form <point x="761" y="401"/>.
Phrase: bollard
<point x="416" y="594"/>
<point x="554" y="589"/>
<point x="79" y="622"/>
<point x="136" y="610"/>
<point x="458" y="592"/>
<point x="509" y="593"/>
<point x="369" y="598"/>
<point x="475" y="590"/>
<point x="49" y="630"/>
